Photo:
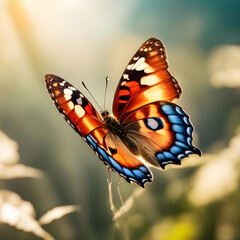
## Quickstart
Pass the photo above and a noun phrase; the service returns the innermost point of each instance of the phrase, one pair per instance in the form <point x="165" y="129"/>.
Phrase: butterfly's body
<point x="112" y="124"/>
<point x="145" y="128"/>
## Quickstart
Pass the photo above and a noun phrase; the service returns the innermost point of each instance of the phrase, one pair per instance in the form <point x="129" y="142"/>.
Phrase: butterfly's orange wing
<point x="145" y="80"/>
<point x="73" y="105"/>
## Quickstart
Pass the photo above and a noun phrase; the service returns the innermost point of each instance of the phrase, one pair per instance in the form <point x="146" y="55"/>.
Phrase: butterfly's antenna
<point x="91" y="95"/>
<point x="105" y="94"/>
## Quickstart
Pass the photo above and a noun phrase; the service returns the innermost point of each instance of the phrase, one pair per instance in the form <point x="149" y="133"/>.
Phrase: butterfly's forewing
<point x="73" y="105"/>
<point x="145" y="80"/>
<point x="84" y="119"/>
<point x="163" y="132"/>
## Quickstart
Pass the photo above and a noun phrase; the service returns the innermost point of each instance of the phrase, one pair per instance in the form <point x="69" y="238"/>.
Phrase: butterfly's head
<point x="105" y="114"/>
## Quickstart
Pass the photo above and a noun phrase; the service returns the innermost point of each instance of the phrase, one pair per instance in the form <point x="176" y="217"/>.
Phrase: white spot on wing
<point x="148" y="70"/>
<point x="126" y="76"/>
<point x="62" y="83"/>
<point x="72" y="88"/>
<point x="70" y="105"/>
<point x="139" y="65"/>
<point x="139" y="61"/>
<point x="142" y="66"/>
<point x="79" y="111"/>
<point x="68" y="91"/>
<point x="67" y="97"/>
<point x="129" y="67"/>
<point x="149" y="80"/>
<point x="79" y="101"/>
<point x="123" y="83"/>
<point x="152" y="123"/>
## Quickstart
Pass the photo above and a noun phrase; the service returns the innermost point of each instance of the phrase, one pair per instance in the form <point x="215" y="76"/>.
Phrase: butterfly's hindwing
<point x="136" y="173"/>
<point x="163" y="132"/>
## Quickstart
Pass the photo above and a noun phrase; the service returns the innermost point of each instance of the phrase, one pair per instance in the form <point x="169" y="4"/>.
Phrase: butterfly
<point x="145" y="127"/>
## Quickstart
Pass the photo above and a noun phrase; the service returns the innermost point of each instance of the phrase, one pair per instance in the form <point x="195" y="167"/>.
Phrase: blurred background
<point x="44" y="164"/>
